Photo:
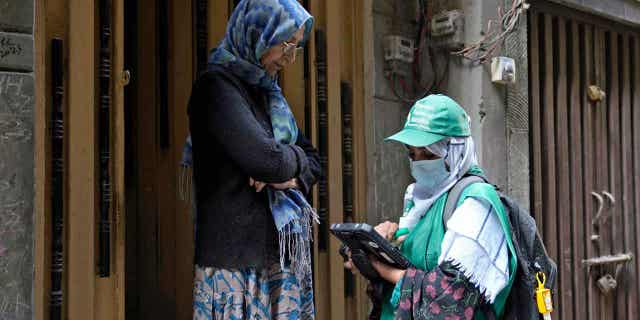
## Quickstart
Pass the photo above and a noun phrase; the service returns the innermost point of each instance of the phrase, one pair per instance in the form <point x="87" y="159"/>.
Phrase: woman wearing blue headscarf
<point x="252" y="169"/>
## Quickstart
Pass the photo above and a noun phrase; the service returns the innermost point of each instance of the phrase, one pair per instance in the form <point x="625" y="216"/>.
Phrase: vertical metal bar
<point x="202" y="36"/>
<point x="548" y="140"/>
<point x="627" y="168"/>
<point x="346" y="101"/>
<point x="307" y="101"/>
<point x="563" y="204"/>
<point x="535" y="94"/>
<point x="576" y="147"/>
<point x="602" y="141"/>
<point x="588" y="116"/>
<point x="104" y="136"/>
<point x="347" y="150"/>
<point x="162" y="23"/>
<point x="613" y="130"/>
<point x="612" y="145"/>
<point x="599" y="148"/>
<point x="323" y="143"/>
<point x="57" y="179"/>
<point x="307" y="79"/>
<point x="615" y="164"/>
<point x="635" y="110"/>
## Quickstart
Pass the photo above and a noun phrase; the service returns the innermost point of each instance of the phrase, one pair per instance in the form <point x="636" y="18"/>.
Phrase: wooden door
<point x="159" y="247"/>
<point x="586" y="161"/>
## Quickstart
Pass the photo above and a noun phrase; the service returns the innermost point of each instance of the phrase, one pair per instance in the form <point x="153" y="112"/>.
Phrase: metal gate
<point x="585" y="147"/>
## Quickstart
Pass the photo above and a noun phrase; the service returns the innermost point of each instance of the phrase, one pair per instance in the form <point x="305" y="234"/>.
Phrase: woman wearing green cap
<point x="463" y="269"/>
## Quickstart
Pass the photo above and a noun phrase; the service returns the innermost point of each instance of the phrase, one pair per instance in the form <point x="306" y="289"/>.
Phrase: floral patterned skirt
<point x="442" y="294"/>
<point x="270" y="293"/>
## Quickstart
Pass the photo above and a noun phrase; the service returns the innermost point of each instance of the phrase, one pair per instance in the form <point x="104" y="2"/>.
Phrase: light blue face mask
<point x="429" y="174"/>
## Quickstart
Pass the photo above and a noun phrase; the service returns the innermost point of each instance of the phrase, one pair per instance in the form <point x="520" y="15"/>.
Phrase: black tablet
<point x="362" y="240"/>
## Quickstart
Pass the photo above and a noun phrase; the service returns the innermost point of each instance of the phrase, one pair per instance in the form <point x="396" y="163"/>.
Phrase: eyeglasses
<point x="290" y="49"/>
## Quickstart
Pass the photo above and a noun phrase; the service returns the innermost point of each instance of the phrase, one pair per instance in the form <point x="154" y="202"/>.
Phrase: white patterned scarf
<point x="476" y="244"/>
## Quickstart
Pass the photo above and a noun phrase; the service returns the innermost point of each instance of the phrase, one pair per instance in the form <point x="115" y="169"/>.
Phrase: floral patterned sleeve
<point x="444" y="293"/>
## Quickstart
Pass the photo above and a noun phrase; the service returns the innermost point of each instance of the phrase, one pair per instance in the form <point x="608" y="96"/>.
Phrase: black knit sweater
<point x="232" y="141"/>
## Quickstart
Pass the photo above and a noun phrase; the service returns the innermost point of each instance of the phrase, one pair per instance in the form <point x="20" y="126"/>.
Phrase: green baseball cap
<point x="431" y="119"/>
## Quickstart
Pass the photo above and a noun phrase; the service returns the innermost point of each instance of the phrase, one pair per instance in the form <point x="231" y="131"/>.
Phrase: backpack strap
<point x="450" y="206"/>
<point x="456" y="192"/>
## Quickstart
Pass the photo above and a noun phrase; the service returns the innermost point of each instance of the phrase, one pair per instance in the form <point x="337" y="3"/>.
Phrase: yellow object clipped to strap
<point x="543" y="297"/>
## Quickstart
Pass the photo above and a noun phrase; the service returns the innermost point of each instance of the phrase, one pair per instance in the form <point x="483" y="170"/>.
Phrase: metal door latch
<point x="607" y="284"/>
<point x="595" y="93"/>
<point x="607" y="260"/>
<point x="125" y="78"/>
<point x="600" y="212"/>
<point x="606" y="266"/>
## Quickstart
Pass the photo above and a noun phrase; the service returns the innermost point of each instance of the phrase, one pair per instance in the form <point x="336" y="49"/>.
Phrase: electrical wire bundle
<point x="486" y="47"/>
<point x="418" y="90"/>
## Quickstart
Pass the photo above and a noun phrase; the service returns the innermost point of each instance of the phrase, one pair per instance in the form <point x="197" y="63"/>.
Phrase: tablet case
<point x="362" y="240"/>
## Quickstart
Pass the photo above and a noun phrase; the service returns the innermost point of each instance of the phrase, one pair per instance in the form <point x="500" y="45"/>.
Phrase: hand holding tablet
<point x="362" y="241"/>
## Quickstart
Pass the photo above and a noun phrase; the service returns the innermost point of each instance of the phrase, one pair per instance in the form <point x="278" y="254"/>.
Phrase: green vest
<point x="423" y="244"/>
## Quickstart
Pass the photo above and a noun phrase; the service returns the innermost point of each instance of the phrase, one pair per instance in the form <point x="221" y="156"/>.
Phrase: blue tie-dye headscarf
<point x="254" y="27"/>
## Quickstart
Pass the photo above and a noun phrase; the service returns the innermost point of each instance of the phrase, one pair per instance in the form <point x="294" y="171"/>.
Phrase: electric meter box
<point x="447" y="30"/>
<point x="397" y="48"/>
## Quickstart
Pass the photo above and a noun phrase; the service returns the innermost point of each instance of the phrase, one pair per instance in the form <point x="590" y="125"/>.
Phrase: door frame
<point x="86" y="296"/>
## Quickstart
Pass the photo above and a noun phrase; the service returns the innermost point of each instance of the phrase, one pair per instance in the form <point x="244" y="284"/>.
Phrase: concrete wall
<point x="471" y="86"/>
<point x="517" y="115"/>
<point x="16" y="158"/>
<point x="388" y="163"/>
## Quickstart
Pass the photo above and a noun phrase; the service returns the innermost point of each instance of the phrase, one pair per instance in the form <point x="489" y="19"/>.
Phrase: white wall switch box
<point x="503" y="70"/>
